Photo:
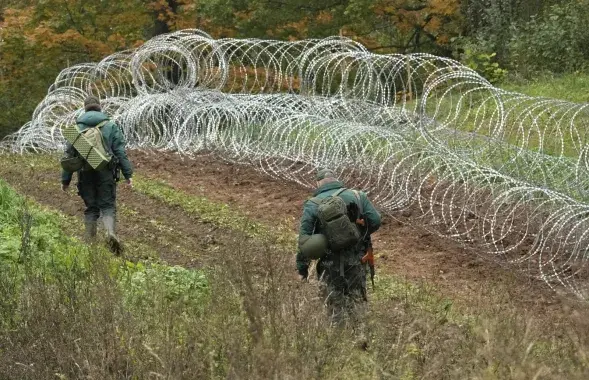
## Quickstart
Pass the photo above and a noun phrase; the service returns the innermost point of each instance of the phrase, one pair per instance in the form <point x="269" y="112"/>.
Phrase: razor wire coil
<point x="499" y="171"/>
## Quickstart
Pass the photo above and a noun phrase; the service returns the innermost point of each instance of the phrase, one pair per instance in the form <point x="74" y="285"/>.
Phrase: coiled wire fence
<point x="504" y="173"/>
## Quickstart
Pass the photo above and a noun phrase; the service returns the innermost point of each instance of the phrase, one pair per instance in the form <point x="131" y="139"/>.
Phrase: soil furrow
<point x="402" y="249"/>
<point x="179" y="238"/>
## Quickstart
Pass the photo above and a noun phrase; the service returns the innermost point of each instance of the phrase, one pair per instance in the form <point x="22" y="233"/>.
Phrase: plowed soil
<point x="176" y="237"/>
<point x="402" y="249"/>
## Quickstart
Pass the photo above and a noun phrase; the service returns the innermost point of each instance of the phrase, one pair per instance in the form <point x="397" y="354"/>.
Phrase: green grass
<point x="242" y="317"/>
<point x="28" y="228"/>
<point x="571" y="87"/>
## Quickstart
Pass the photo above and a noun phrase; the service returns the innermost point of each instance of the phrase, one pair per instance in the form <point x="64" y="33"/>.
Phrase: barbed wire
<point x="499" y="171"/>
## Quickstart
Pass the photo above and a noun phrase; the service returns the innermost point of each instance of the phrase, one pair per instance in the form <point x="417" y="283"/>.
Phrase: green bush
<point x="557" y="41"/>
<point x="488" y="23"/>
<point x="476" y="54"/>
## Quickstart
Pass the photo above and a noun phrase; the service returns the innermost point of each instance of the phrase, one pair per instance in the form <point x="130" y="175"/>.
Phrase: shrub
<point x="556" y="41"/>
<point x="476" y="54"/>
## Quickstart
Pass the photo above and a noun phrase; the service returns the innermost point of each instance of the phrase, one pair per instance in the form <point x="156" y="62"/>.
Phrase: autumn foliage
<point x="39" y="38"/>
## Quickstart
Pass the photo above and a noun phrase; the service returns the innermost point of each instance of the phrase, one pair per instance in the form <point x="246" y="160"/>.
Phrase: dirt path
<point x="181" y="238"/>
<point x="403" y="250"/>
<point x="177" y="237"/>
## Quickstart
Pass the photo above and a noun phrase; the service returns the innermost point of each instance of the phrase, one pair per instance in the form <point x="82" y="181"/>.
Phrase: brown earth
<point x="402" y="249"/>
<point x="181" y="238"/>
<point x="176" y="237"/>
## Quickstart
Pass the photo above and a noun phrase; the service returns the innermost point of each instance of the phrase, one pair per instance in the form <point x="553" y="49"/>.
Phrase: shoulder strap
<point x="104" y="144"/>
<point x="99" y="125"/>
<point x="357" y="194"/>
<point x="102" y="123"/>
<point x="316" y="199"/>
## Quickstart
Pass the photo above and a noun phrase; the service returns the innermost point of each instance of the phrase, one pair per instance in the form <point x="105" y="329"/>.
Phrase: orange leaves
<point x="300" y="27"/>
<point x="242" y="15"/>
<point x="15" y="18"/>
<point x="167" y="11"/>
<point x="324" y="17"/>
<point x="404" y="25"/>
<point x="383" y="8"/>
<point x="445" y="7"/>
<point x="117" y="41"/>
<point x="41" y="40"/>
<point x="416" y="13"/>
<point x="434" y="24"/>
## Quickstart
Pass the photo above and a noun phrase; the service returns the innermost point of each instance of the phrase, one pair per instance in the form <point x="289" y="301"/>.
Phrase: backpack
<point x="341" y="232"/>
<point x="93" y="137"/>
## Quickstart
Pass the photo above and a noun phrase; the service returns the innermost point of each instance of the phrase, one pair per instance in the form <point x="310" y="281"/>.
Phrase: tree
<point x="39" y="39"/>
<point x="405" y="25"/>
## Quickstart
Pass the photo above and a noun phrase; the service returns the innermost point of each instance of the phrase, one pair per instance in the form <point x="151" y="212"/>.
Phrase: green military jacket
<point x="310" y="222"/>
<point x="113" y="137"/>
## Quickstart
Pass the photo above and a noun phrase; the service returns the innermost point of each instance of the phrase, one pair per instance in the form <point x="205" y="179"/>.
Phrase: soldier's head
<point x="325" y="176"/>
<point x="92" y="103"/>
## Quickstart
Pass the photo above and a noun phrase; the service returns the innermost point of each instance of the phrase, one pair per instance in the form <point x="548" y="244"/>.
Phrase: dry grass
<point x="69" y="312"/>
<point x="254" y="321"/>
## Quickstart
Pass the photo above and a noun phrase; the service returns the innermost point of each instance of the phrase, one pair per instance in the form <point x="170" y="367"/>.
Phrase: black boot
<point x="111" y="239"/>
<point x="90" y="232"/>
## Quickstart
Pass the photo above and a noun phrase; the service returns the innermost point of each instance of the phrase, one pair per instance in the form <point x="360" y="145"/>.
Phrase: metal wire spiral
<point x="504" y="173"/>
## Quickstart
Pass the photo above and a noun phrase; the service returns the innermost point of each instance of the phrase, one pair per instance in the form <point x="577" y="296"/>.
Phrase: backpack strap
<point x="314" y="200"/>
<point x="357" y="194"/>
<point x="99" y="126"/>
<point x="102" y="123"/>
<point x="317" y="201"/>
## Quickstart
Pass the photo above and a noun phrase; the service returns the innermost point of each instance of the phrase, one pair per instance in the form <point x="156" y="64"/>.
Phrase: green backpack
<point x="340" y="231"/>
<point x="94" y="137"/>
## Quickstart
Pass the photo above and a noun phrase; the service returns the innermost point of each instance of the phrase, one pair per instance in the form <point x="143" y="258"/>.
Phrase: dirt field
<point x="405" y="251"/>
<point x="402" y="248"/>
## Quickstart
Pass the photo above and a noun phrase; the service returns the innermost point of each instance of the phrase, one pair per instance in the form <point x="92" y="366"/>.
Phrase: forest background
<point x="510" y="42"/>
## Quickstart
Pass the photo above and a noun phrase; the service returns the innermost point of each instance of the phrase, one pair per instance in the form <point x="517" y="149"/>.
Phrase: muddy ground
<point x="402" y="249"/>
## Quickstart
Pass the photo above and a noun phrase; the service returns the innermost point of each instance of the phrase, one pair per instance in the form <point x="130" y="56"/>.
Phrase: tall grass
<point x="74" y="312"/>
<point x="571" y="86"/>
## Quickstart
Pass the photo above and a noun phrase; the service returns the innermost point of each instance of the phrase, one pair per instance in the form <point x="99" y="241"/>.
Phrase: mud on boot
<point x="114" y="245"/>
<point x="90" y="231"/>
<point x="112" y="241"/>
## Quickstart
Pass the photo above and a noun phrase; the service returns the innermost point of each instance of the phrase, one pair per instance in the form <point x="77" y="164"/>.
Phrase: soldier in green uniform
<point x="342" y="275"/>
<point x="98" y="188"/>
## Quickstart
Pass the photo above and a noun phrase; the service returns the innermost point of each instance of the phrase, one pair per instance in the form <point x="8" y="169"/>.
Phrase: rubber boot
<point x="112" y="240"/>
<point x="90" y="232"/>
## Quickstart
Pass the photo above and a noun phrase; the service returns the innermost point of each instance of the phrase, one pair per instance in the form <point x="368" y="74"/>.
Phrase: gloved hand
<point x="303" y="274"/>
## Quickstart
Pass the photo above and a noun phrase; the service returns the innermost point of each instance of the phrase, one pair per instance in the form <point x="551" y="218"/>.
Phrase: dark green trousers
<point x="98" y="190"/>
<point x="345" y="296"/>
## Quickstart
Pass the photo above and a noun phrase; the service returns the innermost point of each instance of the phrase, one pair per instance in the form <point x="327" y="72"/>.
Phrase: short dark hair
<point x="324" y="173"/>
<point x="92" y="103"/>
<point x="93" y="108"/>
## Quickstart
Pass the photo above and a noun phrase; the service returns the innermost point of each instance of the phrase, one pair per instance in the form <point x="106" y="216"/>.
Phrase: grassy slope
<point x="257" y="323"/>
<point x="117" y="319"/>
<point x="572" y="87"/>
